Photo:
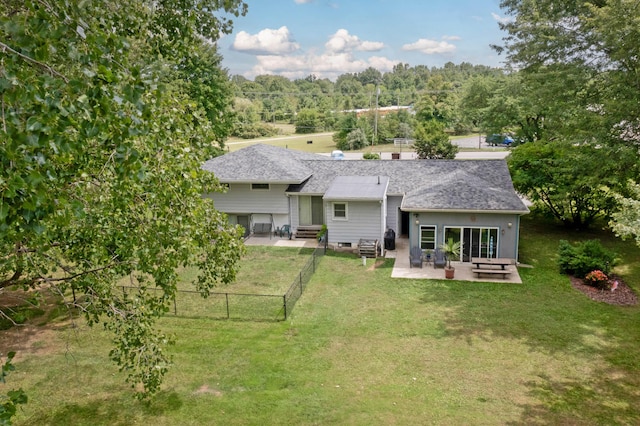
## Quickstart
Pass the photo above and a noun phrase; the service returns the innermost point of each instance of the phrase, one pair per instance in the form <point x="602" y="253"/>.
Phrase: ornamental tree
<point x="432" y="143"/>
<point x="100" y="178"/>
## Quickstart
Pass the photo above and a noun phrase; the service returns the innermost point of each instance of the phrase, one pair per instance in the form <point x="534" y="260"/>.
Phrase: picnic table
<point x="493" y="266"/>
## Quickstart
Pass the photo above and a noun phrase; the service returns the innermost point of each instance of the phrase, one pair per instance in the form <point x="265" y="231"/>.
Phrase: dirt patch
<point x="36" y="335"/>
<point x="623" y="295"/>
<point x="378" y="263"/>
<point x="205" y="389"/>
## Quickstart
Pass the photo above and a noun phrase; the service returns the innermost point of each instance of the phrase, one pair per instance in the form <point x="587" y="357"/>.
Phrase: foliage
<point x="370" y="156"/>
<point x="254" y="130"/>
<point x="9" y="402"/>
<point x="597" y="279"/>
<point x="580" y="87"/>
<point x="346" y="124"/>
<point x="432" y="143"/>
<point x="451" y="249"/>
<point x="100" y="172"/>
<point x="356" y="139"/>
<point x="626" y="221"/>
<point x="575" y="183"/>
<point x="308" y="121"/>
<point x="584" y="257"/>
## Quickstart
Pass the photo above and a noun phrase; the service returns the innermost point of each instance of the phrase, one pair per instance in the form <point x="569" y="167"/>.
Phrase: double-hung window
<point x="340" y="211"/>
<point x="428" y="237"/>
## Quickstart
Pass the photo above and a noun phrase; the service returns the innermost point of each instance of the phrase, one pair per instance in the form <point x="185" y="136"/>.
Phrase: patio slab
<point x="402" y="268"/>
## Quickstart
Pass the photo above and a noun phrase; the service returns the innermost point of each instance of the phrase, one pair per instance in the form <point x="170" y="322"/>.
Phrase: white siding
<point x="240" y="199"/>
<point x="364" y="221"/>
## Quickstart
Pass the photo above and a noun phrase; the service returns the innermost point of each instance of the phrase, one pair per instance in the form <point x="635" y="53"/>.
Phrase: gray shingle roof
<point x="261" y="164"/>
<point x="362" y="188"/>
<point x="427" y="185"/>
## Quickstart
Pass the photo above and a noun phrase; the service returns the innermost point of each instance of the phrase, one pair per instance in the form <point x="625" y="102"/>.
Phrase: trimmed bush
<point x="584" y="257"/>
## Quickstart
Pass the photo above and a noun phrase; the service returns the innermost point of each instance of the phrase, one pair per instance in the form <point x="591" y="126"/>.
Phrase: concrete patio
<point x="401" y="267"/>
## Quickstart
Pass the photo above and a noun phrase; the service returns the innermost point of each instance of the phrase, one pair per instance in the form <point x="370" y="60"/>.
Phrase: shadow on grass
<point x="608" y="397"/>
<point x="550" y="317"/>
<point x="110" y="411"/>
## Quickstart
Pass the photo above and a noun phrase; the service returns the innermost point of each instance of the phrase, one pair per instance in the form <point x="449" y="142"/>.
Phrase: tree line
<point x="316" y="104"/>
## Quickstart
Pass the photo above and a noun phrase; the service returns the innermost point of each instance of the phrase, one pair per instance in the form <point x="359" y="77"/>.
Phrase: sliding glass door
<point x="476" y="242"/>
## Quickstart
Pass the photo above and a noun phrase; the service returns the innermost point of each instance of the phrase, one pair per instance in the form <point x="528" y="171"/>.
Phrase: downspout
<point x="517" y="242"/>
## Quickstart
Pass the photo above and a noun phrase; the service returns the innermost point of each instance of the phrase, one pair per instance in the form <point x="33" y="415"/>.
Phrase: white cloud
<point x="502" y="19"/>
<point x="328" y="65"/>
<point x="342" y="41"/>
<point x="451" y="38"/>
<point x="266" y="42"/>
<point x="274" y="48"/>
<point x="303" y="1"/>
<point x="430" y="47"/>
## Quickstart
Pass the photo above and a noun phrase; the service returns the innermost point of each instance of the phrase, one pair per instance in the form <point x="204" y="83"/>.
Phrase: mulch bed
<point x="623" y="295"/>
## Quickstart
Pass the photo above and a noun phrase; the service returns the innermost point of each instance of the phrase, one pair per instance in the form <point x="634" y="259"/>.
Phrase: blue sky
<point x="296" y="38"/>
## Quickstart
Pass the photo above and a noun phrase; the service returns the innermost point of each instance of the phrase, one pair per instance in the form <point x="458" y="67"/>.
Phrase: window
<point x="428" y="237"/>
<point x="340" y="211"/>
<point x="259" y="186"/>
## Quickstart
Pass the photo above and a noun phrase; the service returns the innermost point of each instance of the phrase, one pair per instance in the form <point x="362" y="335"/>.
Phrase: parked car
<point x="496" y="139"/>
<point x="337" y="155"/>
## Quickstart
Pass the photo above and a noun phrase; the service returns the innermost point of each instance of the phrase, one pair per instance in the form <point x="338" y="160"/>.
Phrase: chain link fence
<point x="243" y="306"/>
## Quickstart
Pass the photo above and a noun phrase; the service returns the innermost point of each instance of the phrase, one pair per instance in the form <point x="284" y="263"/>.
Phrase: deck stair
<point x="308" y="232"/>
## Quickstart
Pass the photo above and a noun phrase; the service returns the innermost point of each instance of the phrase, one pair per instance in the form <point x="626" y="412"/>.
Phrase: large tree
<point x="579" y="62"/>
<point x="571" y="181"/>
<point x="626" y="221"/>
<point x="103" y="136"/>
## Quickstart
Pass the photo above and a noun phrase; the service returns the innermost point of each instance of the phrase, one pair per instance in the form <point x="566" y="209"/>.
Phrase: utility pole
<point x="375" y="118"/>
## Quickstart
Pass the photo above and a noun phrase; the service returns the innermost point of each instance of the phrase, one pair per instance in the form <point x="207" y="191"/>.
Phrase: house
<point x="428" y="201"/>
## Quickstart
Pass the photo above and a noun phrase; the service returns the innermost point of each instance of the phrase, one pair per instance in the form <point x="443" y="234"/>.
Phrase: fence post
<point x="175" y="306"/>
<point x="284" y="305"/>
<point x="226" y="296"/>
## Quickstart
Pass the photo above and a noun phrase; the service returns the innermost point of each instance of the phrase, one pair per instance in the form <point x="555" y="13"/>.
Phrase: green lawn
<point x="362" y="348"/>
<point x="322" y="143"/>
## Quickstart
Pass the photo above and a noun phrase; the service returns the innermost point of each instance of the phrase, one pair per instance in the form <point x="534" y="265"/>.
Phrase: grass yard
<point x="362" y="348"/>
<point x="322" y="142"/>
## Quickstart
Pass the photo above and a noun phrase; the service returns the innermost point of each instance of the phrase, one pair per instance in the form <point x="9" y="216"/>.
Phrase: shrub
<point x="584" y="257"/>
<point x="370" y="156"/>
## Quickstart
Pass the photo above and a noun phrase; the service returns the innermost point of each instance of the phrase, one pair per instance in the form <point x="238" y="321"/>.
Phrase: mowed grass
<point x="322" y="142"/>
<point x="362" y="348"/>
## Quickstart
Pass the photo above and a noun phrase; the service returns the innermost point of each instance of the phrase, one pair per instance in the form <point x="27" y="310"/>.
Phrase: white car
<point x="337" y="155"/>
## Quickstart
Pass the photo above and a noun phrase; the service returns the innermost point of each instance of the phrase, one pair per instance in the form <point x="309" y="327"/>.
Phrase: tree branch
<point x="33" y="61"/>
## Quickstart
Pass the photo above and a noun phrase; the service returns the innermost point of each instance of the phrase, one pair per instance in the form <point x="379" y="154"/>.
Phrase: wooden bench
<point x="503" y="272"/>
